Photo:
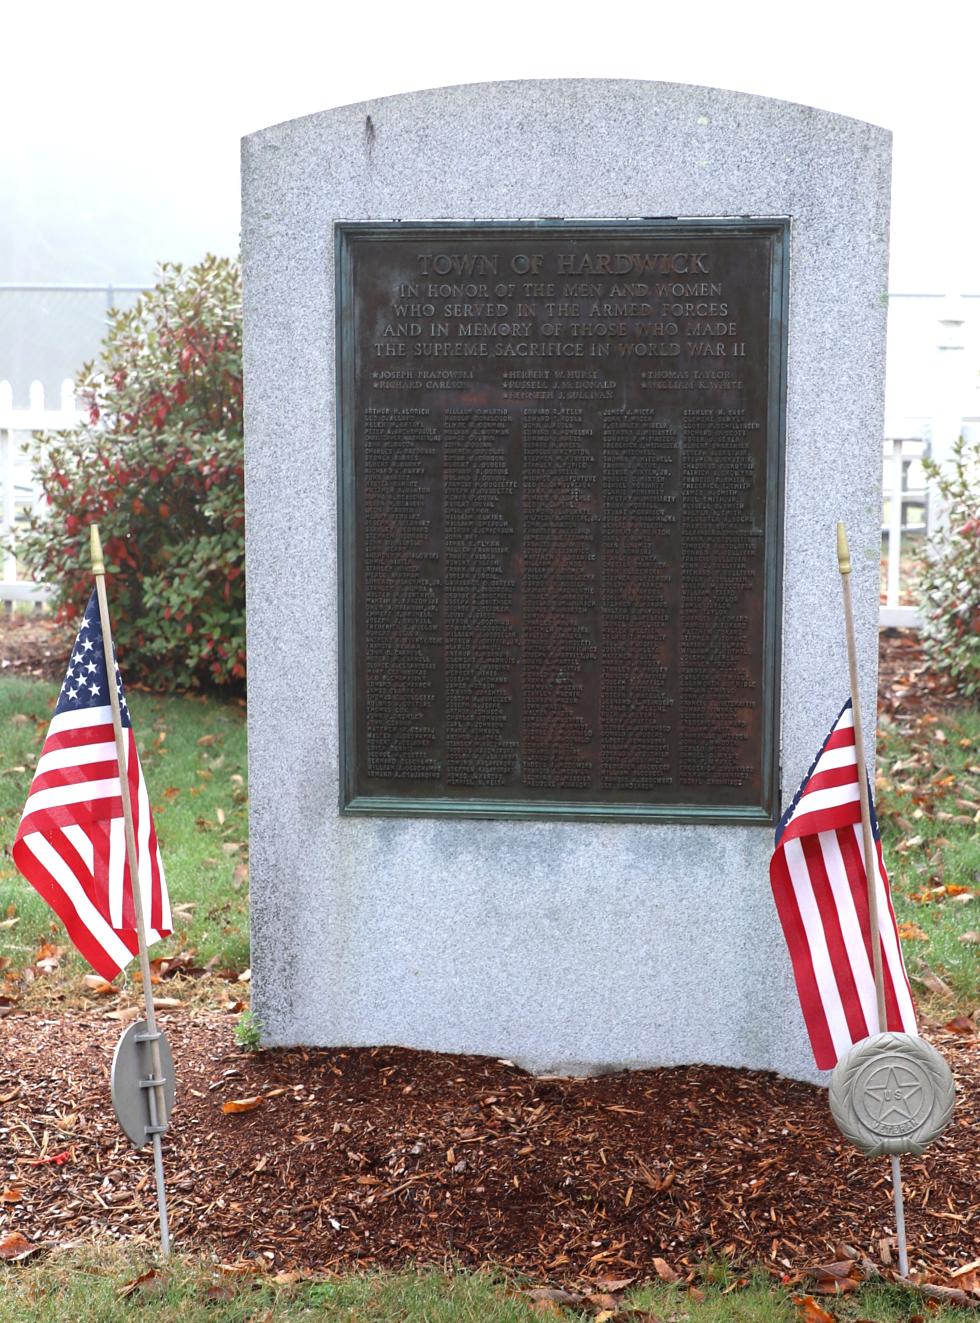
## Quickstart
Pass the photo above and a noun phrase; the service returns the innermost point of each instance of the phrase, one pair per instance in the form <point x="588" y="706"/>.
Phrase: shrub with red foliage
<point x="159" y="466"/>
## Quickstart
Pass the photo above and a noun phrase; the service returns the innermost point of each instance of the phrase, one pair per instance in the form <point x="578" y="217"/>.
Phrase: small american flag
<point x="71" y="842"/>
<point x="820" y="887"/>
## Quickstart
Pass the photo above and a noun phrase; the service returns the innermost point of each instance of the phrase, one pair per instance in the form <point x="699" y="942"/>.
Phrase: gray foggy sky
<point x="121" y="121"/>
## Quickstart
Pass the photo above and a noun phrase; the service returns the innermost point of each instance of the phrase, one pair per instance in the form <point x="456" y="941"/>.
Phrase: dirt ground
<point x="347" y="1158"/>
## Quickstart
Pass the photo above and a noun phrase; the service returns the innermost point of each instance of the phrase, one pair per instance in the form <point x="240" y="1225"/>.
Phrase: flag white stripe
<point x="59" y="872"/>
<point x="831" y="758"/>
<point x="850" y="926"/>
<point x="117" y="862"/>
<point x="143" y="838"/>
<point x="820" y="960"/>
<point x="166" y="916"/>
<point x="82" y="793"/>
<point x="815" y="801"/>
<point x="78" y="718"/>
<point x="82" y="843"/>
<point x="78" y="756"/>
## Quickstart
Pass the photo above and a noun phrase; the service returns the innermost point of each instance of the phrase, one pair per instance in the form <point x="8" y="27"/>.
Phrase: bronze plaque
<point x="560" y="458"/>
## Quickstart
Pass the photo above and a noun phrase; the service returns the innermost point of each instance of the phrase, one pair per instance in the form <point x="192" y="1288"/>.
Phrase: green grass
<point x="928" y="795"/>
<point x="193" y="756"/>
<point x="85" y="1285"/>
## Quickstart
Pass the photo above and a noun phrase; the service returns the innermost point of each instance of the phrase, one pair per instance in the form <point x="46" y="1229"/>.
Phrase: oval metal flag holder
<point x="135" y="1086"/>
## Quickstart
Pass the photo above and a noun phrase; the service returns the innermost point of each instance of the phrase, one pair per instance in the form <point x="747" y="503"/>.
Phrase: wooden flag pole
<point x="155" y="1094"/>
<point x="870" y="857"/>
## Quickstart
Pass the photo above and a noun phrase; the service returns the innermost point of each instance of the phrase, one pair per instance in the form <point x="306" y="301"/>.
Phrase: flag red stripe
<point x="836" y="946"/>
<point x="73" y="738"/>
<point x="89" y="947"/>
<point x="811" y="1002"/>
<point x="78" y="774"/>
<point x="826" y="819"/>
<point x="82" y="812"/>
<point x="856" y="876"/>
<point x="892" y="919"/>
<point x="833" y="777"/>
<point x="840" y="739"/>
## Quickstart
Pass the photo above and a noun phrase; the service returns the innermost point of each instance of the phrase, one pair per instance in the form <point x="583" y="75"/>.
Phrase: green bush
<point x="950" y="589"/>
<point x="159" y="466"/>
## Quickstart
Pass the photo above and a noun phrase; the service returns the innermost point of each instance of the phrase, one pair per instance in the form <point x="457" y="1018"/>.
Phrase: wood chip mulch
<point x="376" y="1157"/>
<point x="34" y="646"/>
<point x="908" y="687"/>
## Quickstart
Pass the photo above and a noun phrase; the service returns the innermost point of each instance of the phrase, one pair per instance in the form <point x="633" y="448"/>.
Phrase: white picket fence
<point x="21" y="493"/>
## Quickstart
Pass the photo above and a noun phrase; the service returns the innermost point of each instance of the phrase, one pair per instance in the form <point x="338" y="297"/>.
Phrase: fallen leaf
<point x="664" y="1271"/>
<point x="9" y="1097"/>
<point x="972" y="937"/>
<point x="236" y="1105"/>
<point x="12" y="1195"/>
<point x="555" y="1296"/>
<point x="911" y="932"/>
<point x="207" y="739"/>
<point x="614" y="1284"/>
<point x="55" y="1159"/>
<point x="97" y="984"/>
<point x="243" y="1267"/>
<point x="810" y="1311"/>
<point x="125" y="1015"/>
<point x="9" y="923"/>
<point x="147" y="1283"/>
<point x="14" y="1246"/>
<point x="960" y="1024"/>
<point x="933" y="982"/>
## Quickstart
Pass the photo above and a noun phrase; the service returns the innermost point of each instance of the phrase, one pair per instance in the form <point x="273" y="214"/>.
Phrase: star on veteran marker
<point x="895" y="1096"/>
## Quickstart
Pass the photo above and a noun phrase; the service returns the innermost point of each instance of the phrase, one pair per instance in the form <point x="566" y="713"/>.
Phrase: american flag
<point x="820" y="887"/>
<point x="71" y="842"/>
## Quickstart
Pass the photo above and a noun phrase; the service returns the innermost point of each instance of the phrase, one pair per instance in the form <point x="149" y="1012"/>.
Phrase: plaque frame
<point x="346" y="233"/>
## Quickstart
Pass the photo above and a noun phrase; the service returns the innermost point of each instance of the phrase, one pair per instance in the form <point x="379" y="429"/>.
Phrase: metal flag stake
<point x="142" y="1099"/>
<point x="891" y="1092"/>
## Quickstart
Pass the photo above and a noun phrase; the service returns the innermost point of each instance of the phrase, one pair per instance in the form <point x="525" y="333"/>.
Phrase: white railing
<point x="20" y="490"/>
<point x="906" y="524"/>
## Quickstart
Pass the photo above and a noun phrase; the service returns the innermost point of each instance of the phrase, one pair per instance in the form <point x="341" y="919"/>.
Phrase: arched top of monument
<point x="570" y="147"/>
<point x="576" y="105"/>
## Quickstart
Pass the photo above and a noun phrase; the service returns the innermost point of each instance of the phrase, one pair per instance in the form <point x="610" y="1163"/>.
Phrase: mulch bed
<point x="370" y="1157"/>
<point x="907" y="686"/>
